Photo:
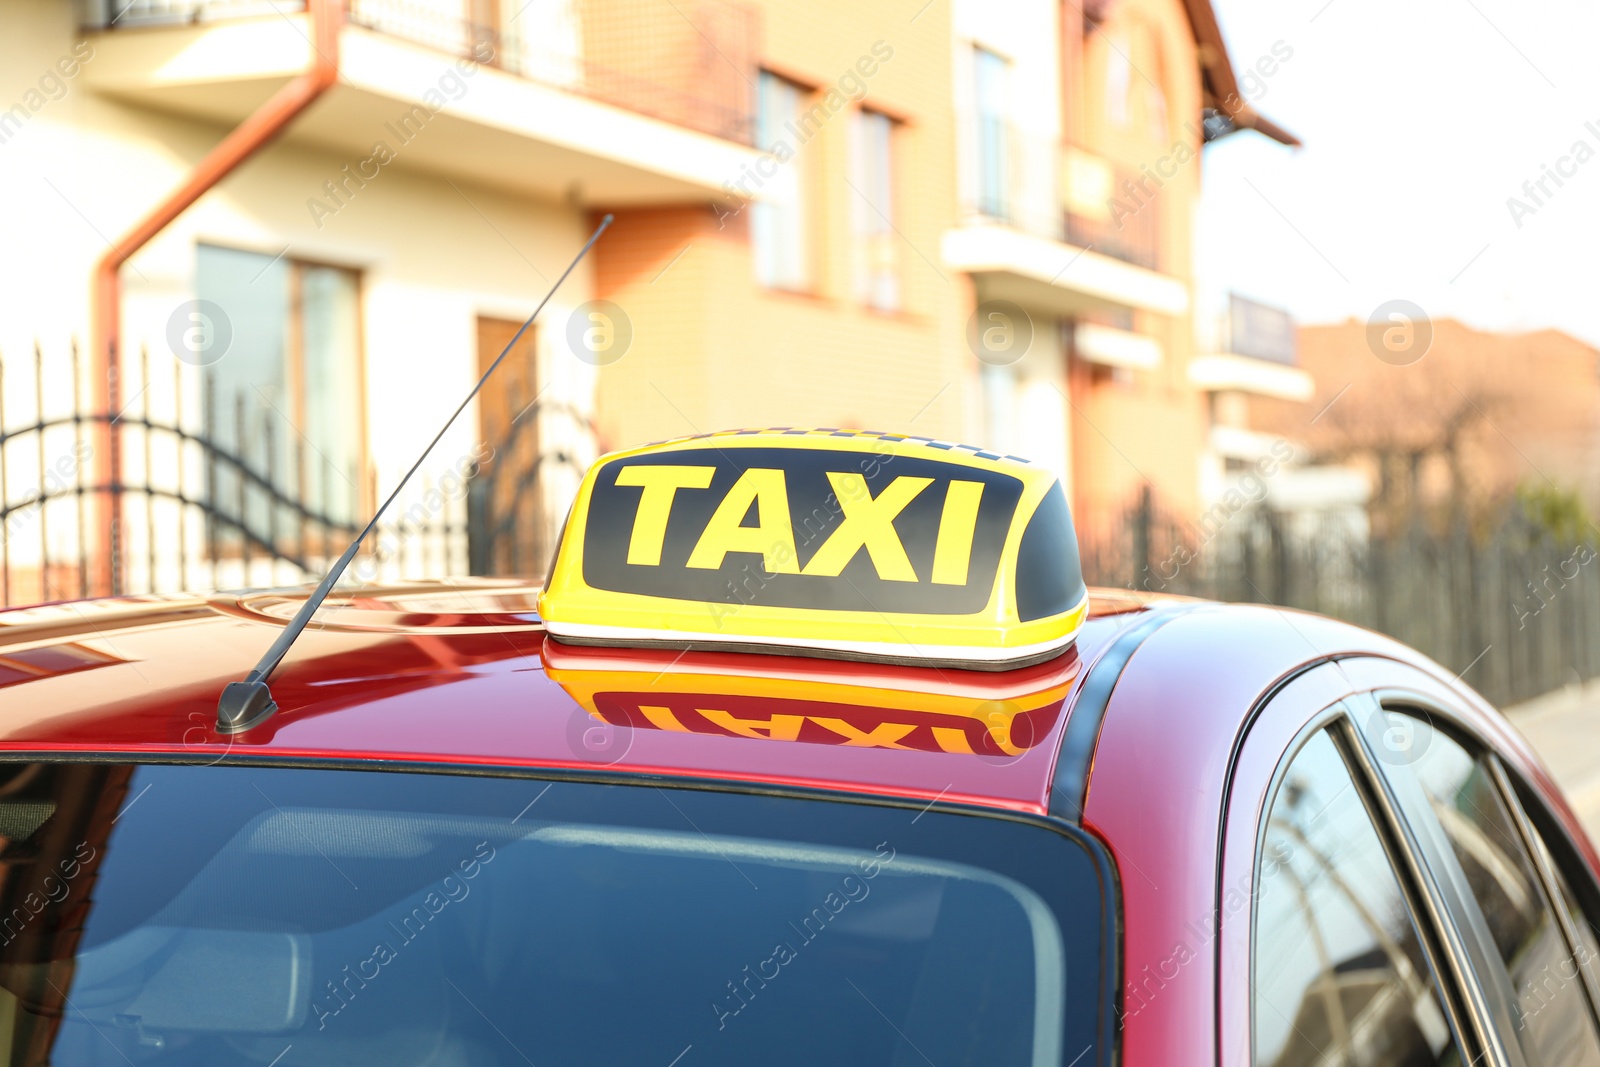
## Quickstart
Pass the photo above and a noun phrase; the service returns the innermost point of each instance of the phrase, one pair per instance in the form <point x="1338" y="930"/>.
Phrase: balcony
<point x="1089" y="184"/>
<point x="1252" y="350"/>
<point x="1036" y="229"/>
<point x="602" y="101"/>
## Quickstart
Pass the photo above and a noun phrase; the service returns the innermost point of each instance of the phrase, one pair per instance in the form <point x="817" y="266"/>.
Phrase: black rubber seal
<point x="1069" y="788"/>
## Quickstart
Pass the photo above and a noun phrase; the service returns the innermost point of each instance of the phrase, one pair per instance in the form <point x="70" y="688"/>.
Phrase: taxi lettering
<point x="867" y="522"/>
<point x="992" y="728"/>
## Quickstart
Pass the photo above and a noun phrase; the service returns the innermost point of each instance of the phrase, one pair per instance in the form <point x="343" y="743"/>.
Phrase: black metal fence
<point x="1512" y="606"/>
<point x="182" y="489"/>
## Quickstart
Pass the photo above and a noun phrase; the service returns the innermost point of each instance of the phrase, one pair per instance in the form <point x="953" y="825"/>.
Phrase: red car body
<point x="1147" y="751"/>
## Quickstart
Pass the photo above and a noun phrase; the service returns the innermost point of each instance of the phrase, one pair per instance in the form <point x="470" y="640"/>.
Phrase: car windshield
<point x="183" y="914"/>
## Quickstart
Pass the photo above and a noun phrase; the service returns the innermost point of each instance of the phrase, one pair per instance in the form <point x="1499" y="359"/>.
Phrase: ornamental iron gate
<point x="202" y="491"/>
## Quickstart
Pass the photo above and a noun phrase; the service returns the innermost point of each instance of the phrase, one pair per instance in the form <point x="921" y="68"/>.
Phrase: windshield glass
<point x="254" y="915"/>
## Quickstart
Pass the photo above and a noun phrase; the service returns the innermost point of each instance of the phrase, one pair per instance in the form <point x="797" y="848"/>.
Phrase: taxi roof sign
<point x="833" y="543"/>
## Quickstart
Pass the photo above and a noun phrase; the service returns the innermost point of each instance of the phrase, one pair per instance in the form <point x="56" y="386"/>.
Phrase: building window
<point x="285" y="396"/>
<point x="778" y="219"/>
<point x="872" y="161"/>
<point x="999" y="389"/>
<point x="991" y="78"/>
<point x="1119" y="81"/>
<point x="1159" y="126"/>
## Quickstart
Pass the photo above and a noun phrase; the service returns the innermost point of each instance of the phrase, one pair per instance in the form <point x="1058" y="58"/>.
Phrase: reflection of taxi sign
<point x="811" y="702"/>
<point x="836" y="543"/>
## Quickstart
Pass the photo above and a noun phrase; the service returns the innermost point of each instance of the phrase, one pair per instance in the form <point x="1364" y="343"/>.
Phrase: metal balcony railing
<point x="1038" y="185"/>
<point x="687" y="62"/>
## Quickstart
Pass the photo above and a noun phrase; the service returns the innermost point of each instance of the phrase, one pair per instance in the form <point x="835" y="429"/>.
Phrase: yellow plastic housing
<point x="841" y="544"/>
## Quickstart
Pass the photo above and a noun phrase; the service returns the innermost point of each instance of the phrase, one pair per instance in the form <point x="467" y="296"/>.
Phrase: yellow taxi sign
<point x="820" y="542"/>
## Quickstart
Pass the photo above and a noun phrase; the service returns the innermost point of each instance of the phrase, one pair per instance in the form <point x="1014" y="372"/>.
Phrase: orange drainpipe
<point x="246" y="139"/>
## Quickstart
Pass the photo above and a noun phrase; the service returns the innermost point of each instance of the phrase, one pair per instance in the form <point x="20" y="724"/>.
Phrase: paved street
<point x="1565" y="727"/>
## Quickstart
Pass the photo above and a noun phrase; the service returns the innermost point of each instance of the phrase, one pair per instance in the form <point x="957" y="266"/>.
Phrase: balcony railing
<point x="1061" y="192"/>
<point x="687" y="62"/>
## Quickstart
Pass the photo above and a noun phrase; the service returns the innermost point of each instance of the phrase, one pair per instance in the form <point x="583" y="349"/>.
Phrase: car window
<point x="307" y="917"/>
<point x="1552" y="1007"/>
<point x="1339" y="972"/>
<point x="1587" y="952"/>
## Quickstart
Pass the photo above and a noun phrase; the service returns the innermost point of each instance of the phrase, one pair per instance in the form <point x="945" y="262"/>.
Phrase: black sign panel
<point x="800" y="528"/>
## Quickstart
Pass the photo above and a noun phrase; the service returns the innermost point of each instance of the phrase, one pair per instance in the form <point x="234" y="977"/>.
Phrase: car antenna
<point x="245" y="704"/>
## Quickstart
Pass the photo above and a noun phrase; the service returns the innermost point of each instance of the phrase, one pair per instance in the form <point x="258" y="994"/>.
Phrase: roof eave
<point x="1220" y="87"/>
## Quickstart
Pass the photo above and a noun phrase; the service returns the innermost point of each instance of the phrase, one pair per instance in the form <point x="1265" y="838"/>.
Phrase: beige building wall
<point x="434" y="251"/>
<point x="713" y="349"/>
<point x="1139" y="107"/>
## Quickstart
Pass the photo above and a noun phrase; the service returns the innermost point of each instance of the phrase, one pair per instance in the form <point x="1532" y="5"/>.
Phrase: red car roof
<point x="460" y="673"/>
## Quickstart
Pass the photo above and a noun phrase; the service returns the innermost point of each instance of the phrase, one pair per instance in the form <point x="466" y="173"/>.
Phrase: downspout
<point x="246" y="139"/>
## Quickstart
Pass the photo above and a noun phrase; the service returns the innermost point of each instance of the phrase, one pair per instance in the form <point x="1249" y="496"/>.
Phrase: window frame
<point x="1109" y="1040"/>
<point x="865" y="210"/>
<point x="1404" y="858"/>
<point x="1443" y="719"/>
<point x="805" y="203"/>
<point x="1535" y="816"/>
<point x="990" y="203"/>
<point x="1356" y="688"/>
<point x="1341" y="687"/>
<point x="1546" y="863"/>
<point x="1481" y="975"/>
<point x="293" y="362"/>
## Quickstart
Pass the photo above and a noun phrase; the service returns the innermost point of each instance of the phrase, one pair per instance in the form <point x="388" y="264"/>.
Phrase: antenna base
<point x="244" y="705"/>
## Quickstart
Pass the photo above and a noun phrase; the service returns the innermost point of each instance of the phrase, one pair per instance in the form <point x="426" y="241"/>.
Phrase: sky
<point x="1421" y="119"/>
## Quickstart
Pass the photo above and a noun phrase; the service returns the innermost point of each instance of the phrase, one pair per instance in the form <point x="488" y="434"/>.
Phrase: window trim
<point x="893" y="163"/>
<point x="1543" y="859"/>
<point x="1514" y="792"/>
<point x="294" y="349"/>
<point x="807" y="200"/>
<point x="1421" y="903"/>
<point x="1108" y="986"/>
<point x="1481" y="977"/>
<point x="1000" y="208"/>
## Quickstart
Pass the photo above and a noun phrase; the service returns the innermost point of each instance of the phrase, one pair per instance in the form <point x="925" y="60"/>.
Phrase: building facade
<point x="961" y="222"/>
<point x="1448" y="422"/>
